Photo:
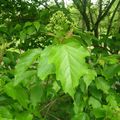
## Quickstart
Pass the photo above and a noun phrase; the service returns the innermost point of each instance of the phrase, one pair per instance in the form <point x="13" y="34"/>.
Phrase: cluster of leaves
<point x="75" y="78"/>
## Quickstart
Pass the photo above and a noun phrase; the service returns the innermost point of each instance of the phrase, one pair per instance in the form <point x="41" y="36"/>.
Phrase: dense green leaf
<point x="17" y="93"/>
<point x="10" y="90"/>
<point x="30" y="30"/>
<point x="37" y="25"/>
<point x="56" y="87"/>
<point x="23" y="64"/>
<point x="66" y="59"/>
<point x="81" y="116"/>
<point x="79" y="103"/>
<point x="99" y="112"/>
<point x="5" y="113"/>
<point x="27" y="24"/>
<point x="94" y="102"/>
<point x="102" y="84"/>
<point x="112" y="59"/>
<point x="44" y="68"/>
<point x="24" y="116"/>
<point x="95" y="92"/>
<point x="28" y="77"/>
<point x="110" y="71"/>
<point x="22" y="35"/>
<point x="60" y="81"/>
<point x="111" y="100"/>
<point x="90" y="75"/>
<point x="36" y="94"/>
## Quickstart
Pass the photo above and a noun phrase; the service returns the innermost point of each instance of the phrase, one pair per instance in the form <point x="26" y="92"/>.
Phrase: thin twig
<point x="103" y="15"/>
<point x="50" y="105"/>
<point x="54" y="116"/>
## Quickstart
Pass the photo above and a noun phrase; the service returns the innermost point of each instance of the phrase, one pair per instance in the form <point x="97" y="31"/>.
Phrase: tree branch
<point x="56" y="3"/>
<point x="91" y="17"/>
<point x="113" y="15"/>
<point x="63" y="3"/>
<point x="100" y="9"/>
<point x="103" y="15"/>
<point x="82" y="10"/>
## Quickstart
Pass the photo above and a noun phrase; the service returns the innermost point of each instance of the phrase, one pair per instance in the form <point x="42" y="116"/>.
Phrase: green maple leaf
<point x="69" y="61"/>
<point x="24" y="63"/>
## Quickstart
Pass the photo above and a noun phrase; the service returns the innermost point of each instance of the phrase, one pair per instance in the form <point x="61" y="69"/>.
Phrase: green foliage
<point x="51" y="68"/>
<point x="17" y="93"/>
<point x="26" y="60"/>
<point x="66" y="58"/>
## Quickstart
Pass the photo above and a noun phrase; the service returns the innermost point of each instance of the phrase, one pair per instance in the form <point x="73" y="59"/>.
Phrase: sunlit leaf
<point x="89" y="77"/>
<point x="17" y="93"/>
<point x="24" y="116"/>
<point x="44" y="68"/>
<point x="81" y="116"/>
<point x="5" y="113"/>
<point x="37" y="25"/>
<point x="111" y="70"/>
<point x="24" y="63"/>
<point x="70" y="65"/>
<point x="94" y="102"/>
<point x="102" y="84"/>
<point x="99" y="112"/>
<point x="36" y="94"/>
